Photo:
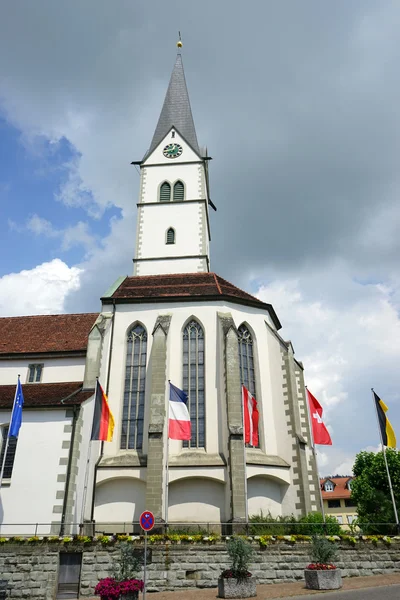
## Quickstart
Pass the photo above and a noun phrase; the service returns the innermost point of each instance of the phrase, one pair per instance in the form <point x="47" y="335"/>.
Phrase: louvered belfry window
<point x="246" y="356"/>
<point x="165" y="192"/>
<point x="135" y="386"/>
<point x="179" y="191"/>
<point x="171" y="236"/>
<point x="10" y="456"/>
<point x="193" y="381"/>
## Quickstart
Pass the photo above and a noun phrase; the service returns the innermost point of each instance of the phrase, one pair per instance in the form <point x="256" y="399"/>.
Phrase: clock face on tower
<point x="172" y="151"/>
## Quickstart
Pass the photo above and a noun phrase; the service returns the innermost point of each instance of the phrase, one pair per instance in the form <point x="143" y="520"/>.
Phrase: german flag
<point x="103" y="420"/>
<point x="387" y="433"/>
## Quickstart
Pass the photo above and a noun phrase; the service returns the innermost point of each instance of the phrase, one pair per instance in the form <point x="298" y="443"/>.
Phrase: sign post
<point x="146" y="521"/>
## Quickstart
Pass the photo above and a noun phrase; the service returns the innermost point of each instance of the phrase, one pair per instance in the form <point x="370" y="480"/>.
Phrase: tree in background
<point x="370" y="490"/>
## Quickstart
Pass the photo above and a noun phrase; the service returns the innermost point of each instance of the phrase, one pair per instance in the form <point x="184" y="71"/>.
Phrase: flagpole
<point x="86" y="482"/>
<point x="167" y="460"/>
<point x="3" y="464"/>
<point x="246" y="508"/>
<point x="314" y="451"/>
<point x="386" y="463"/>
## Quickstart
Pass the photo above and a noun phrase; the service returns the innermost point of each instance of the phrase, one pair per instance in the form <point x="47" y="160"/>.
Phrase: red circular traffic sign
<point x="146" y="520"/>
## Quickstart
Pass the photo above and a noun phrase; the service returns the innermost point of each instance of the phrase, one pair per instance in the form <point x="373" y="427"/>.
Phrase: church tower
<point x="173" y="231"/>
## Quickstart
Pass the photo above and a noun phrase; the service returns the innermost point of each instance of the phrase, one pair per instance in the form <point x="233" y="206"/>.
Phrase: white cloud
<point x="42" y="290"/>
<point x="348" y="345"/>
<point x="75" y="235"/>
<point x="40" y="226"/>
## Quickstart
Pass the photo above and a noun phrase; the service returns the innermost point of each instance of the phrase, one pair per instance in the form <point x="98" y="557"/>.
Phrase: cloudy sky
<point x="298" y="103"/>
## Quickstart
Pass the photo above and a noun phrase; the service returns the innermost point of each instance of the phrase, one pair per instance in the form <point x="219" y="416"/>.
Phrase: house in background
<point x="336" y="496"/>
<point x="44" y="469"/>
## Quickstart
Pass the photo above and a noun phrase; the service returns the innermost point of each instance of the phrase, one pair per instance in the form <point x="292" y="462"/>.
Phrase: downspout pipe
<point x="107" y="389"/>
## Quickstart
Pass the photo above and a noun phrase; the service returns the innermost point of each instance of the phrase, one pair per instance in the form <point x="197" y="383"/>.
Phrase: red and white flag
<point x="320" y="432"/>
<point x="251" y="416"/>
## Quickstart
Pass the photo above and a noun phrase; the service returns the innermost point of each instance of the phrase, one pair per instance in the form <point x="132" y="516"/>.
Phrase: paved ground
<point x="391" y="592"/>
<point x="375" y="587"/>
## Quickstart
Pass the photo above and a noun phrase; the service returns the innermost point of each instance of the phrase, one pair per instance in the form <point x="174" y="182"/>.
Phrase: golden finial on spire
<point x="179" y="42"/>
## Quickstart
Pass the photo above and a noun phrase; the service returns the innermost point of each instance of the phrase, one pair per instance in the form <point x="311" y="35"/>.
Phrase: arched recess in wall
<point x="196" y="499"/>
<point x="247" y="366"/>
<point x="265" y="494"/>
<point x="165" y="192"/>
<point x="179" y="191"/>
<point x="120" y="500"/>
<point x="134" y="388"/>
<point x="193" y="380"/>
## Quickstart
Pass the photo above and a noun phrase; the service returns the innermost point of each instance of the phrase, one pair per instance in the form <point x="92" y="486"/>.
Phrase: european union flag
<point x="16" y="417"/>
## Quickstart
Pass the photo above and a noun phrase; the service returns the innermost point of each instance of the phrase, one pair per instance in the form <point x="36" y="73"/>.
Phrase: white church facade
<point x="173" y="320"/>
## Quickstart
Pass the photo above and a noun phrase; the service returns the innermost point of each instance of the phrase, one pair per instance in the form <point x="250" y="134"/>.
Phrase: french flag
<point x="179" y="418"/>
<point x="251" y="417"/>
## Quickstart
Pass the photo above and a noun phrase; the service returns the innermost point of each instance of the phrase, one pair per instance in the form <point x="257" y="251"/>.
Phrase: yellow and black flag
<point x="388" y="435"/>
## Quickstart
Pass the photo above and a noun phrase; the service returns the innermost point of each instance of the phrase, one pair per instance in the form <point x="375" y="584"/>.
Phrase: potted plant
<point x="124" y="585"/>
<point x="107" y="589"/>
<point x="322" y="574"/>
<point x="237" y="581"/>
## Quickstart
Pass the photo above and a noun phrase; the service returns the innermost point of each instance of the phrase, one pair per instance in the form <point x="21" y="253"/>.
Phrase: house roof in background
<point x="186" y="286"/>
<point x="42" y="395"/>
<point x="340" y="489"/>
<point x="45" y="333"/>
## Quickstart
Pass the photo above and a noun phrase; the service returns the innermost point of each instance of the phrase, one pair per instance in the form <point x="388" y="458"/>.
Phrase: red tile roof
<point x="187" y="286"/>
<point x="38" y="395"/>
<point x="339" y="490"/>
<point x="45" y="333"/>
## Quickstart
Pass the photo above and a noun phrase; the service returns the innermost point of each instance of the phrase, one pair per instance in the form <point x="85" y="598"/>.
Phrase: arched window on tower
<point x="193" y="381"/>
<point x="170" y="236"/>
<point x="165" y="192"/>
<point x="179" y="191"/>
<point x="246" y="357"/>
<point x="135" y="384"/>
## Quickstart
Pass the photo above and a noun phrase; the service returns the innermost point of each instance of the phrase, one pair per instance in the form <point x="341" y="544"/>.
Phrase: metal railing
<point x="205" y="528"/>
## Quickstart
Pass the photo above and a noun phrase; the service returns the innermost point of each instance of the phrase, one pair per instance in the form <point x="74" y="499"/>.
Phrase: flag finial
<point x="179" y="42"/>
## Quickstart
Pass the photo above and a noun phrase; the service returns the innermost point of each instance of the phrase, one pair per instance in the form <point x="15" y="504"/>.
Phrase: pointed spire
<point x="176" y="111"/>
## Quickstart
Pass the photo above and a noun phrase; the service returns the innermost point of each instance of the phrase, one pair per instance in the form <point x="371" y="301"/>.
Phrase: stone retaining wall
<point x="32" y="571"/>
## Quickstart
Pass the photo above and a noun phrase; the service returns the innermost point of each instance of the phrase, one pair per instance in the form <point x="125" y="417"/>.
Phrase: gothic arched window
<point x="135" y="384"/>
<point x="193" y="381"/>
<point x="165" y="192"/>
<point x="179" y="191"/>
<point x="170" y="236"/>
<point x="246" y="356"/>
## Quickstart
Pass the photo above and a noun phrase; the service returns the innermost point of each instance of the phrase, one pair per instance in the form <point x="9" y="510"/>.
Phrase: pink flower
<point x="320" y="567"/>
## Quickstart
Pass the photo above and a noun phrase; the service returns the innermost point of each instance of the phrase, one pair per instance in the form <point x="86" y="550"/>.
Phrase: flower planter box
<point x="323" y="580"/>
<point x="232" y="588"/>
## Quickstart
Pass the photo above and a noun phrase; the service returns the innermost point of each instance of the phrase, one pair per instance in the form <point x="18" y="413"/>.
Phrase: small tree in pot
<point x="124" y="585"/>
<point x="322" y="574"/>
<point x="237" y="581"/>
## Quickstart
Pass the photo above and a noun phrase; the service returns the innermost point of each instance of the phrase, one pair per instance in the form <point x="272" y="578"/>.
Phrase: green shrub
<point x="322" y="550"/>
<point x="129" y="563"/>
<point x="240" y="553"/>
<point x="269" y="525"/>
<point x="313" y="524"/>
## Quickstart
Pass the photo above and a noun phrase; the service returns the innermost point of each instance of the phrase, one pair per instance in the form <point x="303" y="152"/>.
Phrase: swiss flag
<point x="251" y="416"/>
<point x="320" y="432"/>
